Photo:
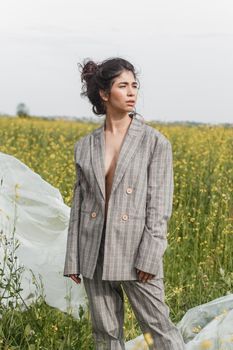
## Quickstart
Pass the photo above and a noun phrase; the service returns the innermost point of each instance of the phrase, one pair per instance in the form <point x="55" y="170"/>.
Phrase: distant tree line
<point x="22" y="111"/>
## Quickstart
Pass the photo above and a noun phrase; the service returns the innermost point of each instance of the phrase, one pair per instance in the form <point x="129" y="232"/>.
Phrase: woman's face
<point x="123" y="94"/>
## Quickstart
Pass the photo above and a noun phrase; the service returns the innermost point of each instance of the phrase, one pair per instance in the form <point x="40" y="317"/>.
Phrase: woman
<point x="121" y="205"/>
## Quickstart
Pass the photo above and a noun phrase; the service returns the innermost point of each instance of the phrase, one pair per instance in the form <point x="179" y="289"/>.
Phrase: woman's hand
<point x="144" y="276"/>
<point x="75" y="278"/>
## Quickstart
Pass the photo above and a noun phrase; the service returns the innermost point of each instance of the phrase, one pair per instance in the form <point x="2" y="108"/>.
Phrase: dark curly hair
<point x="96" y="76"/>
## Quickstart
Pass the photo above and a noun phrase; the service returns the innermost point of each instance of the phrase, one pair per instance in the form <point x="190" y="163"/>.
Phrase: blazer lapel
<point x="129" y="146"/>
<point x="97" y="157"/>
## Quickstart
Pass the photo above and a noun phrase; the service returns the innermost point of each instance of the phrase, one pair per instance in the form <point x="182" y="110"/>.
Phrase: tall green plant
<point x="10" y="269"/>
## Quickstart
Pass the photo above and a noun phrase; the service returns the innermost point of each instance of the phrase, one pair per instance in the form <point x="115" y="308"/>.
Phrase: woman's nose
<point x="131" y="92"/>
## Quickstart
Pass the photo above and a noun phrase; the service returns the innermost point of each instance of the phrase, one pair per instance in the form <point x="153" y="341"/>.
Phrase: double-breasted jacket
<point x="139" y="206"/>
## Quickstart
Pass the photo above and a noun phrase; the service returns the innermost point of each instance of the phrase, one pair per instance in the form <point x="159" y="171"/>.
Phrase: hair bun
<point x="88" y="69"/>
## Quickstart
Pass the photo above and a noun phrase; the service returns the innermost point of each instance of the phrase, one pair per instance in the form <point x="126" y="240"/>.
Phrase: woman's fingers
<point x="144" y="276"/>
<point x="75" y="278"/>
<point x="141" y="276"/>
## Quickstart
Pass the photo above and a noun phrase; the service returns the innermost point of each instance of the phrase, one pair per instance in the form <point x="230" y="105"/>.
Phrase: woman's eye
<point x="135" y="86"/>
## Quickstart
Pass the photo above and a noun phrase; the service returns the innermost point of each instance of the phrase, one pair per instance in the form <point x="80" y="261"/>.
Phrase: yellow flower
<point x="55" y="328"/>
<point x="206" y="344"/>
<point x="196" y="329"/>
<point x="148" y="339"/>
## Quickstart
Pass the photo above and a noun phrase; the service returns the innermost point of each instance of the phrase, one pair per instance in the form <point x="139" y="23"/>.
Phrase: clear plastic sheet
<point x="209" y="326"/>
<point x="40" y="217"/>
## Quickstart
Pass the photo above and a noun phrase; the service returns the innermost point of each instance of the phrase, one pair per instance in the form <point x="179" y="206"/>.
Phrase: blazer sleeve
<point x="158" y="208"/>
<point x="72" y="259"/>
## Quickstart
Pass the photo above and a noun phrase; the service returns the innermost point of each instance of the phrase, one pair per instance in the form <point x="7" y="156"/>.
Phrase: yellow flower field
<point x="198" y="261"/>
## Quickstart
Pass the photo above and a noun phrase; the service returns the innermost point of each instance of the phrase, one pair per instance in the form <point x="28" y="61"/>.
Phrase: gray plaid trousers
<point x="106" y="304"/>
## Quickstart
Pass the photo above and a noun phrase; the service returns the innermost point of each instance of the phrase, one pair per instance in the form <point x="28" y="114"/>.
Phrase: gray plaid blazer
<point x="139" y="207"/>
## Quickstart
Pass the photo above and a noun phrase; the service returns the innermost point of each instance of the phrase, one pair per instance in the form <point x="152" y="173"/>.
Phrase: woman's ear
<point x="103" y="95"/>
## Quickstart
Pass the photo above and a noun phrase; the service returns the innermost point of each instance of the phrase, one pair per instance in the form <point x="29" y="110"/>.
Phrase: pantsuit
<point x="106" y="303"/>
<point x="108" y="249"/>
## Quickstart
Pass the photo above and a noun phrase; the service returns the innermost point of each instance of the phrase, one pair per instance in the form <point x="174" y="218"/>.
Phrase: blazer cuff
<point x="71" y="270"/>
<point x="150" y="252"/>
<point x="71" y="259"/>
<point x="74" y="271"/>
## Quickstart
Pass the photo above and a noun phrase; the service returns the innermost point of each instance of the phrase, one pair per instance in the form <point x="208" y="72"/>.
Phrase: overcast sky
<point x="183" y="50"/>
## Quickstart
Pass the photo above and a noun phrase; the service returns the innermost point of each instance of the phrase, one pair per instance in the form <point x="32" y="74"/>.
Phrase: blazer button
<point x="93" y="214"/>
<point x="125" y="217"/>
<point x="129" y="190"/>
